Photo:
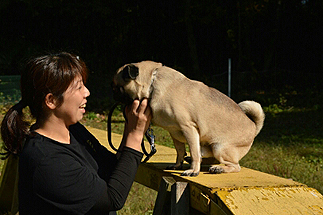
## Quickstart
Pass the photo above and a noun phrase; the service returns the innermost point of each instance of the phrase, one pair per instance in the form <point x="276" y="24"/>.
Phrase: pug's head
<point x="123" y="77"/>
<point x="133" y="81"/>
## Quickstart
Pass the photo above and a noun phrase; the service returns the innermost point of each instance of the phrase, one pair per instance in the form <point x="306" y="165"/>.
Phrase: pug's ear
<point x="130" y="72"/>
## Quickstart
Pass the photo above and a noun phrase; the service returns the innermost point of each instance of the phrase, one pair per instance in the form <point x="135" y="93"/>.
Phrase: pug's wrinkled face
<point x="134" y="81"/>
<point x="123" y="82"/>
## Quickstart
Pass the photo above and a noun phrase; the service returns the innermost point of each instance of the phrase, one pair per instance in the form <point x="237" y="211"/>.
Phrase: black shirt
<point x="82" y="177"/>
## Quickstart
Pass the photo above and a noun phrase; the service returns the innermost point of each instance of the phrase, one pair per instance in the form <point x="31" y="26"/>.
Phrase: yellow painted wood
<point x="246" y="192"/>
<point x="101" y="135"/>
<point x="273" y="200"/>
<point x="9" y="185"/>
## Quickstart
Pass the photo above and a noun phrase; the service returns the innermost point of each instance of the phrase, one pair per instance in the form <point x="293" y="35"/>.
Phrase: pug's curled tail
<point x="254" y="111"/>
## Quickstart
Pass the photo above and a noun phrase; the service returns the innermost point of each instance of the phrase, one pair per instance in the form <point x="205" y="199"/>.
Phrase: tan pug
<point x="211" y="123"/>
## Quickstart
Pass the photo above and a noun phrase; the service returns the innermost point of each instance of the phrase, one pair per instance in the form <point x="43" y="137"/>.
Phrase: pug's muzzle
<point x="120" y="95"/>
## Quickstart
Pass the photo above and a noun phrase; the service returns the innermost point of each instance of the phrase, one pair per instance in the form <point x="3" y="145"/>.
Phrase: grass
<point x="290" y="145"/>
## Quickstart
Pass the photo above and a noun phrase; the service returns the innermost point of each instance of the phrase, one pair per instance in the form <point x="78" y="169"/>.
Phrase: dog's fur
<point x="211" y="123"/>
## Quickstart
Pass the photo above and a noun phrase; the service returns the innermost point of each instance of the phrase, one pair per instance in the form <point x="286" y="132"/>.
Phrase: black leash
<point x="109" y="125"/>
<point x="149" y="135"/>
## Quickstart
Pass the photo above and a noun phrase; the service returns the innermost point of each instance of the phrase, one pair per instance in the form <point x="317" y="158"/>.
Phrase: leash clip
<point x="150" y="132"/>
<point x="151" y="139"/>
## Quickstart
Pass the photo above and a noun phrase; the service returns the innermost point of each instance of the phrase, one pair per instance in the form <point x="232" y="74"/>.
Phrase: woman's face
<point x="74" y="102"/>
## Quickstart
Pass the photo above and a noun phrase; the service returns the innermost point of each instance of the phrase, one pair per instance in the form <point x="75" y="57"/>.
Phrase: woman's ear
<point x="50" y="101"/>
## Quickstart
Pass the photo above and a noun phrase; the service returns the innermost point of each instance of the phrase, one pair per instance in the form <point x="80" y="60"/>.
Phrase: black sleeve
<point x="119" y="183"/>
<point x="105" y="159"/>
<point x="118" y="174"/>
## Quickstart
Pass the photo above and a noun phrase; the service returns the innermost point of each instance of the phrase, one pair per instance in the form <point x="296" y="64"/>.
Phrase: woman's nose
<point x="87" y="92"/>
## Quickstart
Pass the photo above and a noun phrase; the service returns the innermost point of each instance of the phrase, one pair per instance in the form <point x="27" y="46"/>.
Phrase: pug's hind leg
<point x="229" y="156"/>
<point x="217" y="169"/>
<point x="181" y="152"/>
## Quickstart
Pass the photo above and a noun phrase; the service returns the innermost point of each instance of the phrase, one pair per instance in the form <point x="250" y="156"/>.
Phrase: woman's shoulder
<point x="38" y="147"/>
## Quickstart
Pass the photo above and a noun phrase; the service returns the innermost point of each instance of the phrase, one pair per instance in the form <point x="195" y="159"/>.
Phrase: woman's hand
<point x="139" y="116"/>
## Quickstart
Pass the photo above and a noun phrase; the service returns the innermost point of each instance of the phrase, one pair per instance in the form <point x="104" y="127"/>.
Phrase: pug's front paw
<point x="190" y="173"/>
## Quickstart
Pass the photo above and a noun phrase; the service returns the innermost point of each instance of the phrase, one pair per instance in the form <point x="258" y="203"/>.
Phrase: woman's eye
<point x="80" y="86"/>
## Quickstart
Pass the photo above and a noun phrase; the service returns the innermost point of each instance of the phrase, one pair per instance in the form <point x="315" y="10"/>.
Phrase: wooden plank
<point x="273" y="200"/>
<point x="9" y="185"/>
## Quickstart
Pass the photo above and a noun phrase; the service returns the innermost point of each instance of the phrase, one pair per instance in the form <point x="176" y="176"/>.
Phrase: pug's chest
<point x="164" y="120"/>
<point x="172" y="128"/>
<point x="163" y="117"/>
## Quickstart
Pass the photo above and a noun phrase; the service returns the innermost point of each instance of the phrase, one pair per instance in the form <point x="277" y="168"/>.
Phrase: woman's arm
<point x="120" y="182"/>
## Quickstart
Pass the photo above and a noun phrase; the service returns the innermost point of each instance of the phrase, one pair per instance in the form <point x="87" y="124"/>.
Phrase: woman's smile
<point x="82" y="108"/>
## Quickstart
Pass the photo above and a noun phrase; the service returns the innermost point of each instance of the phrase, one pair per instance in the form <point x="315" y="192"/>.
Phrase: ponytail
<point x="14" y="129"/>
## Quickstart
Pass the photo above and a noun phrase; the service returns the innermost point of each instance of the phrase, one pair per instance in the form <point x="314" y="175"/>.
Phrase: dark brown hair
<point x="51" y="73"/>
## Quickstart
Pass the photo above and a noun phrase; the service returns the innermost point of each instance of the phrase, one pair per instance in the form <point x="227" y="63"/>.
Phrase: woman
<point x="62" y="168"/>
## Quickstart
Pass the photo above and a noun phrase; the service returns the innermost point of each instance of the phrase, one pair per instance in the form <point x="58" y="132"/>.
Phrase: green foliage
<point x="141" y="200"/>
<point x="273" y="109"/>
<point x="9" y="90"/>
<point x="91" y="116"/>
<point x="287" y="161"/>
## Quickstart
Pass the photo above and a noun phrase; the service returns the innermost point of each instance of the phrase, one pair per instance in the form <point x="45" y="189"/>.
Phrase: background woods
<point x="273" y="44"/>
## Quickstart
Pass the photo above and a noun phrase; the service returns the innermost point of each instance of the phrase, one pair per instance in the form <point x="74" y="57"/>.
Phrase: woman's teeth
<point x="83" y="106"/>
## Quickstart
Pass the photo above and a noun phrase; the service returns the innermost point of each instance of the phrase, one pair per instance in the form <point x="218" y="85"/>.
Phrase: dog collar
<point x="151" y="88"/>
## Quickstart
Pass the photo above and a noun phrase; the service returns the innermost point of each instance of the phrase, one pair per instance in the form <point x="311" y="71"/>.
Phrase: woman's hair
<point x="51" y="73"/>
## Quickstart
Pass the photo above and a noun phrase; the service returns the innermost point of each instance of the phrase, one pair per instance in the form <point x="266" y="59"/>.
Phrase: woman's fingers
<point x="135" y="105"/>
<point x="139" y="113"/>
<point x="143" y="106"/>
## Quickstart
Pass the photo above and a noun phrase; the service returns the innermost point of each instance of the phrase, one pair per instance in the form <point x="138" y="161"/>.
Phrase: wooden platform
<point x="246" y="192"/>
